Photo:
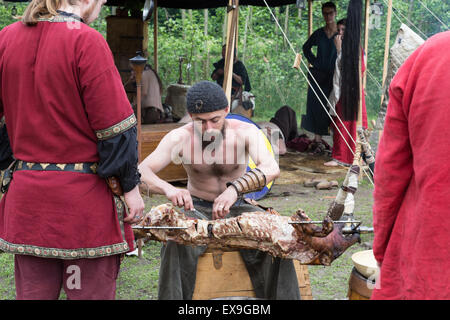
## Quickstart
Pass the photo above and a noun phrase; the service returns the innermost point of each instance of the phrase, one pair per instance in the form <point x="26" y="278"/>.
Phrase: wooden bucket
<point x="360" y="288"/>
<point x="223" y="274"/>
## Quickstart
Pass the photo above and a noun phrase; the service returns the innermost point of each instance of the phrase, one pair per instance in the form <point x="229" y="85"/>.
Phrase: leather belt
<point x="82" y="167"/>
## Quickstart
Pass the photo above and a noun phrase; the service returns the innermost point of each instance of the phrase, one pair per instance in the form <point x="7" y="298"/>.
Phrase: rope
<point x="328" y="102"/>
<point x="394" y="10"/>
<point x="446" y="26"/>
<point x="326" y="98"/>
<point x="374" y="80"/>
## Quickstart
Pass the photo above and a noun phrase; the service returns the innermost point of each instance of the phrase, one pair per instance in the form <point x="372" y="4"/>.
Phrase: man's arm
<point x="169" y="147"/>
<point x="262" y="157"/>
<point x="307" y="49"/>
<point x="217" y="73"/>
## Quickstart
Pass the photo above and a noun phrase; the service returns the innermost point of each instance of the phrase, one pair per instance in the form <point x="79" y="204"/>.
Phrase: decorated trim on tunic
<point x="116" y="129"/>
<point x="68" y="254"/>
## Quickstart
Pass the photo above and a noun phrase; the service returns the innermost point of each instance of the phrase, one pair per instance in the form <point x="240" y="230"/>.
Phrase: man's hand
<point x="223" y="203"/>
<point x="135" y="205"/>
<point x="338" y="42"/>
<point x="180" y="198"/>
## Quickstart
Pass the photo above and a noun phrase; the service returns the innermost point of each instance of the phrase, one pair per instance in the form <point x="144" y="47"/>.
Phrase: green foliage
<point x="275" y="83"/>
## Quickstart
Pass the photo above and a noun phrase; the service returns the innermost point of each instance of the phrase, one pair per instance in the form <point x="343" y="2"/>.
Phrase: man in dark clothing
<point x="240" y="75"/>
<point x="316" y="119"/>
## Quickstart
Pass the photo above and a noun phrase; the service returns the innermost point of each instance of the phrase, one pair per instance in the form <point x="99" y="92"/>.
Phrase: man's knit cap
<point x="205" y="96"/>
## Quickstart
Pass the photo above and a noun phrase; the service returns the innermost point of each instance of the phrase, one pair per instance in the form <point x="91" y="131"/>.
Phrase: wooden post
<point x="233" y="6"/>
<point x="366" y="40"/>
<point x="286" y="25"/>
<point x="155" y="36"/>
<point x="205" y="32"/>
<point x="140" y="244"/>
<point x="138" y="64"/>
<point x="386" y="44"/>
<point x="139" y="111"/>
<point x="310" y="18"/>
<point x="386" y="54"/>
<point x="236" y="41"/>
<point x="247" y="19"/>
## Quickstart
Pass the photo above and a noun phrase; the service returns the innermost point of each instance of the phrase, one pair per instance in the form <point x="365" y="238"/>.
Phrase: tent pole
<point x="366" y="40"/>
<point x="310" y="18"/>
<point x="232" y="8"/>
<point x="155" y="36"/>
<point x="386" y="53"/>
<point x="386" y="43"/>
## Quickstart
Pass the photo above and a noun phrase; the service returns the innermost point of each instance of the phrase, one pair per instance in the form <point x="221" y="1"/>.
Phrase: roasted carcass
<point x="265" y="231"/>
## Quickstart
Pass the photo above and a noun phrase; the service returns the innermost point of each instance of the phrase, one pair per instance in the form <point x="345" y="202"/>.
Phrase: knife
<point x="156" y="227"/>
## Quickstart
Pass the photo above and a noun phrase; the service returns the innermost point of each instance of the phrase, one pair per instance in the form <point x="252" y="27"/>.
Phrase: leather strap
<point x="82" y="167"/>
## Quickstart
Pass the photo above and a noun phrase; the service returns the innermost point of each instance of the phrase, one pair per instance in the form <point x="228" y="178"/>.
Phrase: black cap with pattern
<point x="205" y="96"/>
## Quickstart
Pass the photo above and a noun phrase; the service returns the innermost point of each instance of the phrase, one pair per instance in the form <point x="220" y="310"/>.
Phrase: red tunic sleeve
<point x="1" y="71"/>
<point x="106" y="103"/>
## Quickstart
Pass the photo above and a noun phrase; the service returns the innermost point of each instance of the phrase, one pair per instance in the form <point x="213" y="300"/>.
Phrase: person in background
<point x="240" y="75"/>
<point x="242" y="100"/>
<point x="412" y="196"/>
<point x="341" y="153"/>
<point x="316" y="119"/>
<point x="152" y="107"/>
<point x="69" y="127"/>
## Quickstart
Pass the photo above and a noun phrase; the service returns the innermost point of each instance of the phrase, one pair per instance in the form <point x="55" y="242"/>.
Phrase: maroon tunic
<point x="341" y="151"/>
<point x="60" y="92"/>
<point x="412" y="195"/>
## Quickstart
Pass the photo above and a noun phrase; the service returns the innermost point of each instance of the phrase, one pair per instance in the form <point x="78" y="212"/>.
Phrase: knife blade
<point x="156" y="227"/>
<point x="320" y="222"/>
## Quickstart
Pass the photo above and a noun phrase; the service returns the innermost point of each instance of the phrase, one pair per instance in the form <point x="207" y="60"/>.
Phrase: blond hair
<point x="43" y="9"/>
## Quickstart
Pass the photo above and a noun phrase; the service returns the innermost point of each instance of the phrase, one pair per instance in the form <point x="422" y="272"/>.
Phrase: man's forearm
<point x="153" y="182"/>
<point x="237" y="78"/>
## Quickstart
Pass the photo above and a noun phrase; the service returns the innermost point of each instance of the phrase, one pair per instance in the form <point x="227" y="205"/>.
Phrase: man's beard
<point x="213" y="136"/>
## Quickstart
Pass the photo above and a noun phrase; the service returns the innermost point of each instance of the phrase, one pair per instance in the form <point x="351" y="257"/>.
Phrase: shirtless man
<point x="215" y="151"/>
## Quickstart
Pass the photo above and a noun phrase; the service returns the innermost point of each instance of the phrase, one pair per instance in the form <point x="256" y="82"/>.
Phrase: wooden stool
<point x="223" y="274"/>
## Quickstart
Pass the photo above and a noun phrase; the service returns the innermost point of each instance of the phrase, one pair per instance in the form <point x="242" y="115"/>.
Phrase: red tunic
<point x="411" y="209"/>
<point x="341" y="151"/>
<point x="59" y="91"/>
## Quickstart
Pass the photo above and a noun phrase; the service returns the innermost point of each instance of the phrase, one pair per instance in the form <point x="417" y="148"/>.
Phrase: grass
<point x="138" y="277"/>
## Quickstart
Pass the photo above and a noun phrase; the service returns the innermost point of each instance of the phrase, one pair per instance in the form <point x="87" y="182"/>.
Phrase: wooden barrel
<point x="360" y="288"/>
<point x="223" y="274"/>
<point x="176" y="98"/>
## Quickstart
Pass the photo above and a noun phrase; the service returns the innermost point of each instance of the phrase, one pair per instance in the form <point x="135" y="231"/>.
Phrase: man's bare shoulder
<point x="178" y="134"/>
<point x="241" y="127"/>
